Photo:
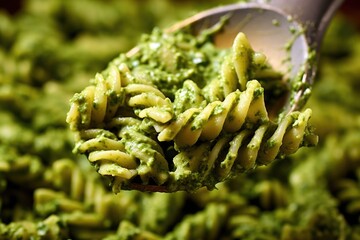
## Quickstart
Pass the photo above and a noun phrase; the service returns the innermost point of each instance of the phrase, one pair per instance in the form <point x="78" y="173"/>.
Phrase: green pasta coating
<point x="173" y="114"/>
<point x="202" y="225"/>
<point x="51" y="228"/>
<point x="50" y="49"/>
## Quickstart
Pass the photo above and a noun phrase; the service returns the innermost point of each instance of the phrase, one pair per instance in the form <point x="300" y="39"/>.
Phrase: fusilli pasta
<point x="211" y="128"/>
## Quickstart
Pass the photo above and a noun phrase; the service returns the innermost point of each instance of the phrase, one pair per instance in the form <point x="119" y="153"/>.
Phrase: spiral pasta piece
<point x="170" y="205"/>
<point x="241" y="65"/>
<point x="110" y="162"/>
<point x="242" y="58"/>
<point x="151" y="102"/>
<point x="111" y="90"/>
<point x="128" y="230"/>
<point x="207" y="123"/>
<point x="271" y="194"/>
<point x="51" y="227"/>
<point x="347" y="192"/>
<point x="96" y="103"/>
<point x="20" y="169"/>
<point x="215" y="161"/>
<point x="152" y="162"/>
<point x="121" y="157"/>
<point x="80" y="199"/>
<point x="202" y="225"/>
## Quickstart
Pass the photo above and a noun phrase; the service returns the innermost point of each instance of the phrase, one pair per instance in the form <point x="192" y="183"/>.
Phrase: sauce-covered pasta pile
<point x="48" y="52"/>
<point x="180" y="114"/>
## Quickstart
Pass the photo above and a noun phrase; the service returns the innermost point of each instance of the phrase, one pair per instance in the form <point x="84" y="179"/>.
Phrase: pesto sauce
<point x="180" y="65"/>
<point x="193" y="74"/>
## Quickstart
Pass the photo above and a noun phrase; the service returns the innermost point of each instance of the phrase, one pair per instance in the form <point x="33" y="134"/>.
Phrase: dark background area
<point x="10" y="6"/>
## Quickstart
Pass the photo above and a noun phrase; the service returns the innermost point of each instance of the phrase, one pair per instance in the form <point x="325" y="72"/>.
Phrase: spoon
<point x="288" y="32"/>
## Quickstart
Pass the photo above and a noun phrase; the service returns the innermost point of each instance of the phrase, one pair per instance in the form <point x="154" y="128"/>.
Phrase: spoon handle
<point x="314" y="14"/>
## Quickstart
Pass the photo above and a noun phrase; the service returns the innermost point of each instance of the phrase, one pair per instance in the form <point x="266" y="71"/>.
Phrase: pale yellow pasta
<point x="242" y="55"/>
<point x="229" y="81"/>
<point x="295" y="135"/>
<point x="117" y="156"/>
<point x="96" y="103"/>
<point x="151" y="101"/>
<point x="229" y="115"/>
<point x="239" y="152"/>
<point x="123" y="159"/>
<point x="287" y="137"/>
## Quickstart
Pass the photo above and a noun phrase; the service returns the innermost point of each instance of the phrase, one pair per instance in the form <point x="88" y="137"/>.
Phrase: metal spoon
<point x="288" y="32"/>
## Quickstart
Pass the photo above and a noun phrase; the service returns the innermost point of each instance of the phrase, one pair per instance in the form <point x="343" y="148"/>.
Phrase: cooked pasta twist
<point x="51" y="227"/>
<point x="122" y="156"/>
<point x="224" y="104"/>
<point x="111" y="90"/>
<point x="18" y="168"/>
<point x="152" y="162"/>
<point x="215" y="161"/>
<point x="271" y="194"/>
<point x="205" y="224"/>
<point x="149" y="102"/>
<point x="238" y="108"/>
<point x="347" y="193"/>
<point x="108" y="154"/>
<point x="128" y="230"/>
<point x="170" y="205"/>
<point x="81" y="199"/>
<point x="237" y="68"/>
<point x="243" y="226"/>
<point x="97" y="103"/>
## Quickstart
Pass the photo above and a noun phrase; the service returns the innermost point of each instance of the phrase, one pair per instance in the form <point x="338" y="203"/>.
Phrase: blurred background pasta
<point x="50" y="49"/>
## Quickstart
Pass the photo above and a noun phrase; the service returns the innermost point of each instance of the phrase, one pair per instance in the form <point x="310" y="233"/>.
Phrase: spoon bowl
<point x="288" y="32"/>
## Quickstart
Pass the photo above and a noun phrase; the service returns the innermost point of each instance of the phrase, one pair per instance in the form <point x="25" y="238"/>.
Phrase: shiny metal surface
<point x="288" y="32"/>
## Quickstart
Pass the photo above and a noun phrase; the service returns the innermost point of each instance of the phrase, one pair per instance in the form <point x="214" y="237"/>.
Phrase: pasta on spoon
<point x="181" y="114"/>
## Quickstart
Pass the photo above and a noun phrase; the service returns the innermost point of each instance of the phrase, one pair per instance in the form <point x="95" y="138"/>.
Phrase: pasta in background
<point x="49" y="51"/>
